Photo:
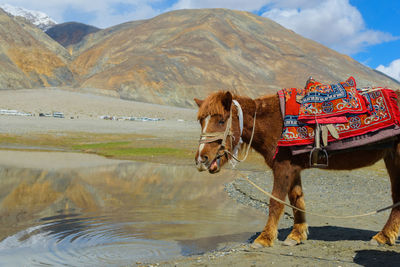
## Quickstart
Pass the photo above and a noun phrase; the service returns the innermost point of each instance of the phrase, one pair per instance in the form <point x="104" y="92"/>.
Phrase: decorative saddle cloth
<point x="357" y="116"/>
<point x="325" y="103"/>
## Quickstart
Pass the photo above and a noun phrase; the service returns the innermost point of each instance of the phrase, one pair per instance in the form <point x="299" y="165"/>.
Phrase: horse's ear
<point x="227" y="100"/>
<point x="198" y="101"/>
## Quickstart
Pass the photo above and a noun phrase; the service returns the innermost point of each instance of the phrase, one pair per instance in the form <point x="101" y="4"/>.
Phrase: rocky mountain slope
<point x="29" y="58"/>
<point x="70" y="32"/>
<point x="188" y="53"/>
<point x="91" y="40"/>
<point x="176" y="56"/>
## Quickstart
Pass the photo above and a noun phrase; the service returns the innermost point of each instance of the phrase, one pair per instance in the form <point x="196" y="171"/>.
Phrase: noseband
<point x="223" y="136"/>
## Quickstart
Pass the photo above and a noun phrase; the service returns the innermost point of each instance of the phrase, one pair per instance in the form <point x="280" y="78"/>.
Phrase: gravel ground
<point x="331" y="242"/>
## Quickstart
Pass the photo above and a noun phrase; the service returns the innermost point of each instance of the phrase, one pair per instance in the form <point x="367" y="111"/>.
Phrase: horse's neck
<point x="268" y="127"/>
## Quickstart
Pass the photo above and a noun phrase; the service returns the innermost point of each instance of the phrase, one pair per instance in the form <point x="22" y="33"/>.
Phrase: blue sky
<point x="384" y="16"/>
<point x="367" y="30"/>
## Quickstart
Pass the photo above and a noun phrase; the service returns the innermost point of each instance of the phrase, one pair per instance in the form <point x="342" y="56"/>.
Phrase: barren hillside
<point x="29" y="57"/>
<point x="176" y="56"/>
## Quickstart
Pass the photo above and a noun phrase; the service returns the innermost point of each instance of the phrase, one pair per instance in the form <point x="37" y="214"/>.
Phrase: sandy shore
<point x="84" y="105"/>
<point x="82" y="113"/>
<point x="53" y="160"/>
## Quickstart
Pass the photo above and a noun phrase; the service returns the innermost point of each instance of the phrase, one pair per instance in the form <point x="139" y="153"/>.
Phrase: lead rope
<point x="284" y="202"/>
<point x="317" y="214"/>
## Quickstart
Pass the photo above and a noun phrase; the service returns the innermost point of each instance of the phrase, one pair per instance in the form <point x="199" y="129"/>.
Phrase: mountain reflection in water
<point x="117" y="214"/>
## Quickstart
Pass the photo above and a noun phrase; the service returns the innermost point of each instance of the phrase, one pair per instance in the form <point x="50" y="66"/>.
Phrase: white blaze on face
<point x="204" y="130"/>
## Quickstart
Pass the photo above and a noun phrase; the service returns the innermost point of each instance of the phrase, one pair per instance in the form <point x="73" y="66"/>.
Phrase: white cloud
<point x="334" y="23"/>
<point x="393" y="70"/>
<point x="106" y="18"/>
<point x="101" y="11"/>
<point x="103" y="15"/>
<point x="250" y="5"/>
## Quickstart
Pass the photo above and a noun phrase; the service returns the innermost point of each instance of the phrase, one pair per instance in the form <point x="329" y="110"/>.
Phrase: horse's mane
<point x="212" y="105"/>
<point x="267" y="104"/>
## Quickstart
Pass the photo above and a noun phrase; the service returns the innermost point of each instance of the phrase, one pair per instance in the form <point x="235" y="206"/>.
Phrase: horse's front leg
<point x="284" y="174"/>
<point x="300" y="228"/>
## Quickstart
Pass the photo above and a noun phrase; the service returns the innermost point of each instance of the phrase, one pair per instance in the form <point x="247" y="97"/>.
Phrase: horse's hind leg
<point x="390" y="231"/>
<point x="300" y="229"/>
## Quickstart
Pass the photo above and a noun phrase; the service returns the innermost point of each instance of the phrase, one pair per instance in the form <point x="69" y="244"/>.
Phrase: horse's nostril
<point x="205" y="158"/>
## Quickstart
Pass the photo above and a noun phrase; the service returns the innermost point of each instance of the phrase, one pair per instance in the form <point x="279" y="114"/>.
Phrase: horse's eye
<point x="221" y="122"/>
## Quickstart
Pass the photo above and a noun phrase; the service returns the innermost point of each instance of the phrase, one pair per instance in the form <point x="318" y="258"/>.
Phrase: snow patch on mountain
<point x="38" y="18"/>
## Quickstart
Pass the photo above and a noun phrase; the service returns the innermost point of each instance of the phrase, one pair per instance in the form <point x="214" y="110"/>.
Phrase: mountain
<point x="30" y="58"/>
<point x="99" y="36"/>
<point x="37" y="18"/>
<point x="174" y="57"/>
<point x="189" y="53"/>
<point x="70" y="32"/>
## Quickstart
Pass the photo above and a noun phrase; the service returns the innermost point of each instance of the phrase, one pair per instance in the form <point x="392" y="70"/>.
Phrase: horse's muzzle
<point x="201" y="166"/>
<point x="213" y="167"/>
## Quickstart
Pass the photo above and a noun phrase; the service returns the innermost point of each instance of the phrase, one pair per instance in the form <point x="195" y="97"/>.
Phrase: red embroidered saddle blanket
<point x="324" y="103"/>
<point x="351" y="113"/>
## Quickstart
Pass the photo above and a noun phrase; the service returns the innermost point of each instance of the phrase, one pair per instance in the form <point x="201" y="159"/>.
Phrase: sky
<point x="366" y="30"/>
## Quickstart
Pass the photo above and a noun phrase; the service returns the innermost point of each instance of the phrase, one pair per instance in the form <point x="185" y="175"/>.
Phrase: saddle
<point x="340" y="114"/>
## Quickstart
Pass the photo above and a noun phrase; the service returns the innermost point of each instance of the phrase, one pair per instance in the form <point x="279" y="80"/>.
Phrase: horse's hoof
<point x="374" y="243"/>
<point x="384" y="239"/>
<point x="290" y="242"/>
<point x="255" y="245"/>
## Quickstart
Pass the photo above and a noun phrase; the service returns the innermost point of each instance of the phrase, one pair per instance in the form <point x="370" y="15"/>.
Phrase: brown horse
<point x="220" y="111"/>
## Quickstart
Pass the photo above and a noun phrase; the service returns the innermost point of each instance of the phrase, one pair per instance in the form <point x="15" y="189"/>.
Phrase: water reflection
<point x="81" y="242"/>
<point x="116" y="214"/>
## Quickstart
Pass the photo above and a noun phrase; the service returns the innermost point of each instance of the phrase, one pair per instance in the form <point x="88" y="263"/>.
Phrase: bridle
<point x="227" y="133"/>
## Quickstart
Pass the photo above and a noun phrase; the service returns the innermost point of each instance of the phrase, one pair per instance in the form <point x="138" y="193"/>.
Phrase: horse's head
<point x="220" y="131"/>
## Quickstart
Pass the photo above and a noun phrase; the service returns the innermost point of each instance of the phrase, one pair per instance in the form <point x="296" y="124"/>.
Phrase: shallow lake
<point x="118" y="214"/>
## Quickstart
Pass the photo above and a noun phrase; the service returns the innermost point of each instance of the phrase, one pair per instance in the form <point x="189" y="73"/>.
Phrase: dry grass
<point x="118" y="146"/>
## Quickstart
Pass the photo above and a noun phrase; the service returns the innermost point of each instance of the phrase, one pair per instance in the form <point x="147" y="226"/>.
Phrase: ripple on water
<point x="82" y="242"/>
